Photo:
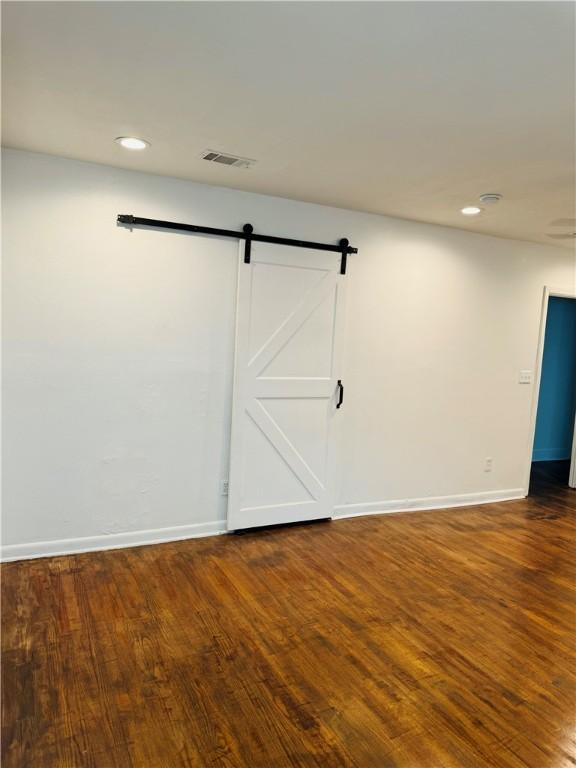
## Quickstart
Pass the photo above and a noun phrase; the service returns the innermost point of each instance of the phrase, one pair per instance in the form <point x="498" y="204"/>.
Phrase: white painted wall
<point x="118" y="355"/>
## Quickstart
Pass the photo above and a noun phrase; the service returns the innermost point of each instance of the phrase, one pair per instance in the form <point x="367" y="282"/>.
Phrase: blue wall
<point x="557" y="399"/>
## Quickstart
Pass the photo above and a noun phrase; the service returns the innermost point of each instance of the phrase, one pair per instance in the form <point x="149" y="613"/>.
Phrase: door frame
<point x="572" y="477"/>
<point x="548" y="293"/>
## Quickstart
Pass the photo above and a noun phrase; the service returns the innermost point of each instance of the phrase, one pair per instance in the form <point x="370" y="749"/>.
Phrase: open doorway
<point x="553" y="454"/>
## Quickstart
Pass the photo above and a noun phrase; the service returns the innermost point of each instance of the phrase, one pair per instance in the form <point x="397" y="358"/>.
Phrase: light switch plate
<point x="525" y="377"/>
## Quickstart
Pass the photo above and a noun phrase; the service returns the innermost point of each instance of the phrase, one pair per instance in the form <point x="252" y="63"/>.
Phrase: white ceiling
<point x="410" y="109"/>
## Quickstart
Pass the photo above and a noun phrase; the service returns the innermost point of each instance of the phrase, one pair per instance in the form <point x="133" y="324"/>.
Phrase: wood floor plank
<point x="438" y="639"/>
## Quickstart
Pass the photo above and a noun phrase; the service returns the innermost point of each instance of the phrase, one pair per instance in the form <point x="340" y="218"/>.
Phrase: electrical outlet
<point x="488" y="463"/>
<point x="525" y="377"/>
<point x="225" y="487"/>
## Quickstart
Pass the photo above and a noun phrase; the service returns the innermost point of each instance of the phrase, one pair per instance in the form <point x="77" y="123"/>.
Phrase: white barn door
<point x="286" y="386"/>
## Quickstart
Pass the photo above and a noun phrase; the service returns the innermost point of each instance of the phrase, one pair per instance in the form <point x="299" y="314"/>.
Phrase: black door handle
<point x="340" y="393"/>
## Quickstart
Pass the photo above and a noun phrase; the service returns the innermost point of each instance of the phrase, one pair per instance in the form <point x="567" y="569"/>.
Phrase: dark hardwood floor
<point x="417" y="640"/>
<point x="548" y="477"/>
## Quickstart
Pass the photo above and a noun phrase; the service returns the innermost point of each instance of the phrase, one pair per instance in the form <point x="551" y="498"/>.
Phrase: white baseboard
<point x="110" y="541"/>
<point x="37" y="549"/>
<point x="429" y="502"/>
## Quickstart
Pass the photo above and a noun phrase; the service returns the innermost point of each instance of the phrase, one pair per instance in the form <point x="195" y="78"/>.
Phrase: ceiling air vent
<point x="223" y="159"/>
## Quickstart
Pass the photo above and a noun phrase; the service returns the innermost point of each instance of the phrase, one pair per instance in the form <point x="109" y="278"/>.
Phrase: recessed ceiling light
<point x="470" y="210"/>
<point x="130" y="142"/>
